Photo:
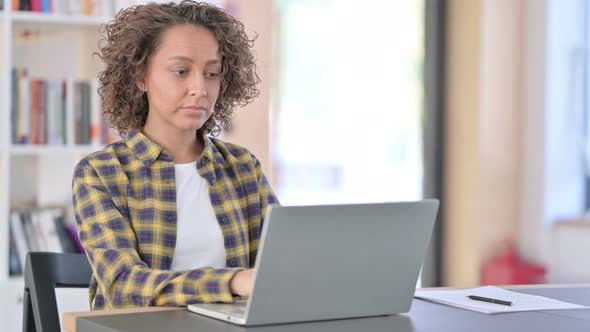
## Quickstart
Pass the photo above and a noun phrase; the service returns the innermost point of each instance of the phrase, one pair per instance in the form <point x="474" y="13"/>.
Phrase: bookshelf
<point x="52" y="47"/>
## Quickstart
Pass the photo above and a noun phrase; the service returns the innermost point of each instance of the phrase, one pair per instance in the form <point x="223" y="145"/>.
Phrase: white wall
<point x="553" y="181"/>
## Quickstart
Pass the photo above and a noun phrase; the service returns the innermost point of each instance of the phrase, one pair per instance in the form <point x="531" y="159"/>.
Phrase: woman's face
<point x="183" y="79"/>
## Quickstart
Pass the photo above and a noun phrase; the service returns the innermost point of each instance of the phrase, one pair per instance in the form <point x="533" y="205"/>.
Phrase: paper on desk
<point x="520" y="302"/>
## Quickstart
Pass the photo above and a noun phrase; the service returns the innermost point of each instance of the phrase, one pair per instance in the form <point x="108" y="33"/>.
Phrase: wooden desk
<point x="424" y="316"/>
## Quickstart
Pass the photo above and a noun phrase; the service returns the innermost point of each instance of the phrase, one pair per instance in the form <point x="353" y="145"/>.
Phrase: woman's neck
<point x="185" y="147"/>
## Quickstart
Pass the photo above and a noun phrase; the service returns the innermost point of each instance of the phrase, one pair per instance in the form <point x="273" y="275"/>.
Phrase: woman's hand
<point x="242" y="282"/>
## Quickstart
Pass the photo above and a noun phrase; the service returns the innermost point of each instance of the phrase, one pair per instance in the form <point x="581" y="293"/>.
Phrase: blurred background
<point x="483" y="104"/>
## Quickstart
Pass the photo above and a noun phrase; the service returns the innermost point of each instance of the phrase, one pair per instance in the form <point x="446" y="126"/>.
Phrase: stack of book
<point x="39" y="111"/>
<point x="90" y="127"/>
<point x="42" y="229"/>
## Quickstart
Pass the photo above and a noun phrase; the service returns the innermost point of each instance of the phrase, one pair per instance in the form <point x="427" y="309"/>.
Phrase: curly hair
<point x="134" y="35"/>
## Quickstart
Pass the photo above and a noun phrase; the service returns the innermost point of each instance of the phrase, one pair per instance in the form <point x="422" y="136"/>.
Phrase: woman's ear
<point x="140" y="85"/>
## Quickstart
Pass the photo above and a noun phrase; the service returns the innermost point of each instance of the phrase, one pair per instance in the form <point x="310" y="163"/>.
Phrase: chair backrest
<point x="44" y="272"/>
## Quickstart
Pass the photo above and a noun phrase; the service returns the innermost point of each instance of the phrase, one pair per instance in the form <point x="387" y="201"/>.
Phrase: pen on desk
<point x="490" y="300"/>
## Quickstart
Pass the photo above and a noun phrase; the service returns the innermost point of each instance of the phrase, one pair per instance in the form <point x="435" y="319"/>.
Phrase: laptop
<point x="333" y="261"/>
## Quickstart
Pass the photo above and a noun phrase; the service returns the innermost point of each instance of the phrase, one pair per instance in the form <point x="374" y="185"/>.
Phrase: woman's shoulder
<point x="232" y="152"/>
<point x="110" y="154"/>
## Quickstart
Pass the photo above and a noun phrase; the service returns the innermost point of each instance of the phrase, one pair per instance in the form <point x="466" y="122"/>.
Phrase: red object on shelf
<point x="507" y="268"/>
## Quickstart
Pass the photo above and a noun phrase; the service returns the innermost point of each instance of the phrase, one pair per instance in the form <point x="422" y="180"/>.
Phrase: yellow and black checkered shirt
<point x="125" y="205"/>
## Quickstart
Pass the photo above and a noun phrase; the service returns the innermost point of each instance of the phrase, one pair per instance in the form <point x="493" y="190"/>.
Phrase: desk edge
<point x="69" y="318"/>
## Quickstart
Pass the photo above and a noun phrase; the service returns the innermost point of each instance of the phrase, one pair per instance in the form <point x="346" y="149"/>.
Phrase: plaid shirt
<point x="125" y="205"/>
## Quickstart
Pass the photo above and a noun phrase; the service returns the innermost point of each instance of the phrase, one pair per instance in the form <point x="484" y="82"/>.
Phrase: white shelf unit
<point x="56" y="47"/>
<point x="58" y="20"/>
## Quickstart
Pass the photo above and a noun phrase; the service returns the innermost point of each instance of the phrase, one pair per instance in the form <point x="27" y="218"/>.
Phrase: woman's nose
<point x="197" y="88"/>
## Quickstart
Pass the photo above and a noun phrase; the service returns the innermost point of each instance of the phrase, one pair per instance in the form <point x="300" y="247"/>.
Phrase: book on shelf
<point x="14" y="261"/>
<point x="40" y="229"/>
<point x="72" y="232"/>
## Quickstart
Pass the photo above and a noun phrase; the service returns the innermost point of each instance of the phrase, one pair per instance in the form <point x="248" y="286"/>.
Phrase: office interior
<point x="483" y="104"/>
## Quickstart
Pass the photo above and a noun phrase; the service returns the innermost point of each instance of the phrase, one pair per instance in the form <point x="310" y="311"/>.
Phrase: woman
<point x="171" y="216"/>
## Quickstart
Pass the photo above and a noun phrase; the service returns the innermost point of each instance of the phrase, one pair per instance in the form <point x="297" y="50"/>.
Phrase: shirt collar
<point x="210" y="151"/>
<point x="148" y="151"/>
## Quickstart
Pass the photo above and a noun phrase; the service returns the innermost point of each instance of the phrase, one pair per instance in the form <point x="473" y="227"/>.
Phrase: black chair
<point x="44" y="272"/>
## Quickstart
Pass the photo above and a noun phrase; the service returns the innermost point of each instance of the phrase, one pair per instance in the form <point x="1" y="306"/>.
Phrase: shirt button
<point x="224" y="220"/>
<point x="212" y="182"/>
<point x="169" y="217"/>
<point x="233" y="262"/>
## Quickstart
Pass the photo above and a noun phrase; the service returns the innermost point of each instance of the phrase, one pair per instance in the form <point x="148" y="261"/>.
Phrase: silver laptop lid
<point x="339" y="261"/>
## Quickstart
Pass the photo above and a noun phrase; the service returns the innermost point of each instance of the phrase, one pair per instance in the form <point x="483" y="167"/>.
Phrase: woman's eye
<point x="180" y="72"/>
<point x="212" y="75"/>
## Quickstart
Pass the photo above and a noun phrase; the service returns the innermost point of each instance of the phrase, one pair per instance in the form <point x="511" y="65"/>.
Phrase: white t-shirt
<point x="199" y="241"/>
